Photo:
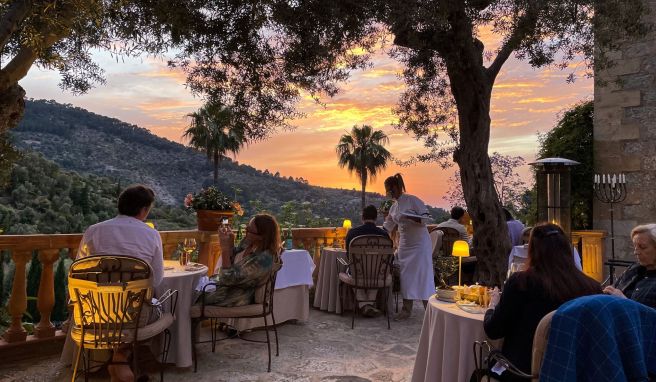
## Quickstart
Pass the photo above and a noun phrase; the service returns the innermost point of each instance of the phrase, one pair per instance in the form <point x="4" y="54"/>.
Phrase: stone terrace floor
<point x="322" y="349"/>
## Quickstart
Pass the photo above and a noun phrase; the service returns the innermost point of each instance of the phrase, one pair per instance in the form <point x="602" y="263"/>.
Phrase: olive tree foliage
<point x="450" y="74"/>
<point x="509" y="185"/>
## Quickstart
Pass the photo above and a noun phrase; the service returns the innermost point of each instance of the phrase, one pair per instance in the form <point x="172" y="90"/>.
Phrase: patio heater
<point x="553" y="178"/>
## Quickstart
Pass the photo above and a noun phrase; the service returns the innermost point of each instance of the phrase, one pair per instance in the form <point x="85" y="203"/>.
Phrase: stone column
<point x="625" y="136"/>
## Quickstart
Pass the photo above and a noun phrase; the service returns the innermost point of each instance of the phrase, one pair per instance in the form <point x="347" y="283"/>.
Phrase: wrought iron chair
<point x="539" y="348"/>
<point x="261" y="308"/>
<point x="370" y="260"/>
<point x="108" y="294"/>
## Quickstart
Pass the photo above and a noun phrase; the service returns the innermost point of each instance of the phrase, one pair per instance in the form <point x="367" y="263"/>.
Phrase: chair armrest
<point x="495" y="355"/>
<point x="204" y="291"/>
<point x="171" y="294"/>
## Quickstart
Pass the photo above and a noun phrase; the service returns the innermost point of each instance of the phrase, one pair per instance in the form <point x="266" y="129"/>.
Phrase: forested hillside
<point x="87" y="143"/>
<point x="41" y="198"/>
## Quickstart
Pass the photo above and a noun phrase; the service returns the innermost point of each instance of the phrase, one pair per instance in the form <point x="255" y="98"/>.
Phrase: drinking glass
<point x="515" y="267"/>
<point x="188" y="247"/>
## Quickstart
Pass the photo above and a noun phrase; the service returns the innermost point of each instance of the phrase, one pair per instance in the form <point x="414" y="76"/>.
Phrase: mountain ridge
<point x="85" y="142"/>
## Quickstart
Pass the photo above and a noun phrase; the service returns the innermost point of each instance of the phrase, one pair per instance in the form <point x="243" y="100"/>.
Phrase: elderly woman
<point x="550" y="280"/>
<point x="639" y="281"/>
<point x="246" y="267"/>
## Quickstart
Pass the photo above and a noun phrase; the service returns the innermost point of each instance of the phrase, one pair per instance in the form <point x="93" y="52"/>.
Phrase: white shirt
<point x="126" y="236"/>
<point x="453" y="223"/>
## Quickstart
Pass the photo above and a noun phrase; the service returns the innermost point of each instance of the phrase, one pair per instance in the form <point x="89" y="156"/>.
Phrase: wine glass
<point x="515" y="267"/>
<point x="188" y="247"/>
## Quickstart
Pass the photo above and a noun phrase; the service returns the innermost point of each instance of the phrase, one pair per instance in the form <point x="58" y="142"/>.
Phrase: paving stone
<point x="323" y="349"/>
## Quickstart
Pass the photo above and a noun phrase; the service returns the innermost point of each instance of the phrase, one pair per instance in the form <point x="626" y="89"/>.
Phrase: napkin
<point x="204" y="281"/>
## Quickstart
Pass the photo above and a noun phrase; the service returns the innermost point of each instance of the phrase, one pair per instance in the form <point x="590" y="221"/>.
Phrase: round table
<point x="326" y="294"/>
<point x="445" y="346"/>
<point x="184" y="281"/>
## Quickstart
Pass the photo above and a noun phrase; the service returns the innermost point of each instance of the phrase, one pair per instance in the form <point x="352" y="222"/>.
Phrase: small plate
<point x="444" y="299"/>
<point x="169" y="268"/>
<point x="471" y="307"/>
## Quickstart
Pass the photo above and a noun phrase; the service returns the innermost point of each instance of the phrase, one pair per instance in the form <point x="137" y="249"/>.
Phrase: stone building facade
<point x="625" y="137"/>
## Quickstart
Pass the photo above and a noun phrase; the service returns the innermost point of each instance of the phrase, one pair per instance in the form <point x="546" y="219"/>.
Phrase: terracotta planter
<point x="210" y="220"/>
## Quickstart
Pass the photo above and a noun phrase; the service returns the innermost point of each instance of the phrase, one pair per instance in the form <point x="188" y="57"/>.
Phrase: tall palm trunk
<point x="364" y="187"/>
<point x="363" y="178"/>
<point x="217" y="159"/>
<point x="491" y="242"/>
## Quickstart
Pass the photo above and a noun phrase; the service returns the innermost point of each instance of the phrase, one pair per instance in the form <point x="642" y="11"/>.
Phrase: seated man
<point x="457" y="215"/>
<point x="127" y="235"/>
<point x="368" y="227"/>
<point x="515" y="228"/>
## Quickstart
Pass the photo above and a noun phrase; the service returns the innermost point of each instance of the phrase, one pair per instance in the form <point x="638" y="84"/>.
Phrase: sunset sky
<point x="146" y="93"/>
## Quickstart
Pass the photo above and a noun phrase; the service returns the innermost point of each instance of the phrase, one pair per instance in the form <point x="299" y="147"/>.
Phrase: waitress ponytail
<point x="395" y="180"/>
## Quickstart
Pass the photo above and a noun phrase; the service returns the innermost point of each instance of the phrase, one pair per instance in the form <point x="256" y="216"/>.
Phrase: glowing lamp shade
<point x="346" y="224"/>
<point x="150" y="224"/>
<point x="460" y="250"/>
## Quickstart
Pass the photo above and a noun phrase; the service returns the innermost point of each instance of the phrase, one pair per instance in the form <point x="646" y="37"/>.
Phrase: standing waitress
<point x="414" y="252"/>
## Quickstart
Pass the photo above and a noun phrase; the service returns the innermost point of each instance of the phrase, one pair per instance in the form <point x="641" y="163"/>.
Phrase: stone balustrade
<point x="49" y="248"/>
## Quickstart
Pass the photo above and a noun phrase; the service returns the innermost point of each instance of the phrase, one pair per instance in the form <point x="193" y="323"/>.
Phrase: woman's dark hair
<point x="134" y="198"/>
<point x="551" y="262"/>
<point x="268" y="228"/>
<point x="395" y="180"/>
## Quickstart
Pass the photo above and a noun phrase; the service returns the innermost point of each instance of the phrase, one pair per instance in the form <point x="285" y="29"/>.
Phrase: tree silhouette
<point x="362" y="151"/>
<point x="214" y="130"/>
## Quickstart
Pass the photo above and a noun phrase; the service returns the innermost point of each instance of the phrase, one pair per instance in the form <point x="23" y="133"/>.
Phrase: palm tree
<point x="362" y="151"/>
<point x="213" y="129"/>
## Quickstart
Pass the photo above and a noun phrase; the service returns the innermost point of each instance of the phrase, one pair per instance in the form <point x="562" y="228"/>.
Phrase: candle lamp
<point x="460" y="250"/>
<point x="610" y="189"/>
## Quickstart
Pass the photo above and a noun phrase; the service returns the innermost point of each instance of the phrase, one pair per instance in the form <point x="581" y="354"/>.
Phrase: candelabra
<point x="610" y="189"/>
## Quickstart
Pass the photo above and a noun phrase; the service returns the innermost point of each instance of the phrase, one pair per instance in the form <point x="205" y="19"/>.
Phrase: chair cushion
<point x="214" y="311"/>
<point x="144" y="333"/>
<point x="348" y="279"/>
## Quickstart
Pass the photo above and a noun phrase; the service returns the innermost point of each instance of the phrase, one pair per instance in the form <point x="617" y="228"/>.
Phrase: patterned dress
<point x="236" y="285"/>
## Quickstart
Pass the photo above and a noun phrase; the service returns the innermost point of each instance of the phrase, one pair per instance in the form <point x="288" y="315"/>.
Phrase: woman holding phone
<point x="244" y="268"/>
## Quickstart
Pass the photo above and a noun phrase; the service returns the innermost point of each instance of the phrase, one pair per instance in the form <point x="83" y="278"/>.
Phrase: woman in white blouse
<point x="414" y="252"/>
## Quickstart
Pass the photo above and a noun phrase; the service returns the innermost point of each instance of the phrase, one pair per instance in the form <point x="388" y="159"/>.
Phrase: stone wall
<point x="625" y="137"/>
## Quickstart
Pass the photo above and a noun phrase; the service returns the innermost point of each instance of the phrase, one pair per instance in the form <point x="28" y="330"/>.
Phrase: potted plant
<point x="212" y="206"/>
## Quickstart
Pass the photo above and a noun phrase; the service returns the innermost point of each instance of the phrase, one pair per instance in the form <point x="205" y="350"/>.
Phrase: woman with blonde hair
<point x="638" y="282"/>
<point x="414" y="253"/>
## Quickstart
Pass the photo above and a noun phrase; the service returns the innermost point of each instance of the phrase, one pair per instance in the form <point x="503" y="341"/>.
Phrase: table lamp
<point x="346" y="224"/>
<point x="150" y="224"/>
<point x="460" y="250"/>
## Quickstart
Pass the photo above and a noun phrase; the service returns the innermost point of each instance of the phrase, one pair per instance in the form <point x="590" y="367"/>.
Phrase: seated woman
<point x="550" y="280"/>
<point x="246" y="267"/>
<point x="638" y="282"/>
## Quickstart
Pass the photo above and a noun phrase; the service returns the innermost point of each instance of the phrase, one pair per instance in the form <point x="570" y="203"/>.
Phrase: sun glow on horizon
<point x="147" y="93"/>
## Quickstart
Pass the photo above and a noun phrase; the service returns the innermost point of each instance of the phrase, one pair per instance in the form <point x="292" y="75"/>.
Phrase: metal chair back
<point x="449" y="236"/>
<point x="370" y="258"/>
<point x="108" y="293"/>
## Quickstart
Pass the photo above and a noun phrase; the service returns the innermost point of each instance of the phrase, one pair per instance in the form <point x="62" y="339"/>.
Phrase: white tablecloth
<point x="521" y="251"/>
<point x="184" y="282"/>
<point x="291" y="299"/>
<point x="445" y="346"/>
<point x="297" y="268"/>
<point x="326" y="294"/>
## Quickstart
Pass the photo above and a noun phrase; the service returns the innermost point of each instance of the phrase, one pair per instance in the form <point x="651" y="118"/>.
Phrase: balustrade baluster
<point x="46" y="295"/>
<point x="18" y="299"/>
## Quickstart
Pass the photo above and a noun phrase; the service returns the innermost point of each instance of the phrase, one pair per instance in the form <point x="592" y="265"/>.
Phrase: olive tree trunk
<point x="12" y="107"/>
<point x="491" y="244"/>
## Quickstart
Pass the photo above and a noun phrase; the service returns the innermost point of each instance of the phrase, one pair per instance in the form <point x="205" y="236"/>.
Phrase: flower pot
<point x="210" y="220"/>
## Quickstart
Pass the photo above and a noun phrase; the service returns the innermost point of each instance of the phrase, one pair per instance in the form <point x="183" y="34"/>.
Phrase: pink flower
<point x="188" y="199"/>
